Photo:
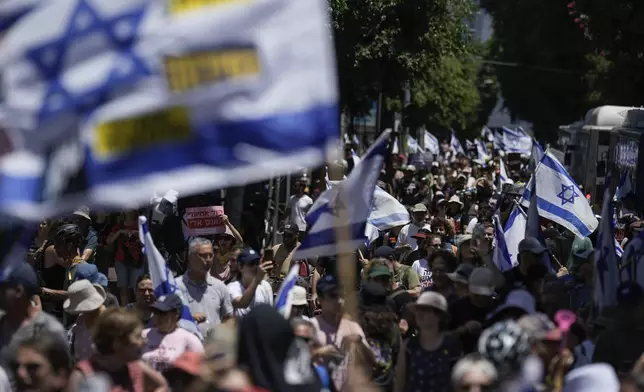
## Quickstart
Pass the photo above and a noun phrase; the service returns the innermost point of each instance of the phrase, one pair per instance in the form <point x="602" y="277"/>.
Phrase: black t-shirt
<point x="462" y="311"/>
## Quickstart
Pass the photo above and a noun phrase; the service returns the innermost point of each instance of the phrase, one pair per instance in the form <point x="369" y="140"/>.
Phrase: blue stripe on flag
<point x="558" y="211"/>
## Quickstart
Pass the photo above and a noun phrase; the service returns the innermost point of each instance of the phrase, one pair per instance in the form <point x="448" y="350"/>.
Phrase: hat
<point x="290" y="229"/>
<point x="455" y="199"/>
<point x="462" y="273"/>
<point x="441" y="201"/>
<point x="517" y="299"/>
<point x="481" y="281"/>
<point x="83" y="297"/>
<point x="531" y="245"/>
<point x="467" y="170"/>
<point x="422" y="234"/>
<point x="379" y="270"/>
<point x="540" y="327"/>
<point x="24" y="275"/>
<point x="327" y="284"/>
<point x="189" y="362"/>
<point x="439" y="194"/>
<point x="373" y="293"/>
<point x="420" y="207"/>
<point x="411" y="168"/>
<point x="384" y="252"/>
<point x="432" y="299"/>
<point x="248" y="256"/>
<point x="298" y="296"/>
<point x="595" y="377"/>
<point x="83" y="211"/>
<point x="89" y="272"/>
<point x="166" y="303"/>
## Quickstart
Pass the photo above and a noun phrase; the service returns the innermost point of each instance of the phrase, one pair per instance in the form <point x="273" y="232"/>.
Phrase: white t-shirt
<point x="263" y="295"/>
<point x="470" y="226"/>
<point x="406" y="233"/>
<point x="424" y="273"/>
<point x="161" y="349"/>
<point x="299" y="207"/>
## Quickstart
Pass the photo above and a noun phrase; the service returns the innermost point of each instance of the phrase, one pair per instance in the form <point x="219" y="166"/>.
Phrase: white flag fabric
<point x="559" y="198"/>
<point x="536" y="154"/>
<point x="394" y="149"/>
<point x="624" y="187"/>
<point x="503" y="174"/>
<point x="514" y="232"/>
<point x="516" y="141"/>
<point x="455" y="145"/>
<point x="487" y="134"/>
<point x="162" y="278"/>
<point x="481" y="150"/>
<point x="355" y="196"/>
<point x="501" y="256"/>
<point x="412" y="145"/>
<point x="431" y="143"/>
<point x="498" y="141"/>
<point x="165" y="94"/>
<point x="284" y="297"/>
<point x="607" y="274"/>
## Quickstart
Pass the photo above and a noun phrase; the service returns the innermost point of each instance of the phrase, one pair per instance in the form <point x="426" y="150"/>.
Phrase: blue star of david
<point x="120" y="31"/>
<point x="562" y="194"/>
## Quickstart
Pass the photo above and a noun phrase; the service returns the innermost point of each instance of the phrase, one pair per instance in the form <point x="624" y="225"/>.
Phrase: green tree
<point x="383" y="44"/>
<point x="542" y="60"/>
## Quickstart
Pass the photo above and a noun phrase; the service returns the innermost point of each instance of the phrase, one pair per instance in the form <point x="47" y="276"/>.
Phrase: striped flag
<point x="284" y="298"/>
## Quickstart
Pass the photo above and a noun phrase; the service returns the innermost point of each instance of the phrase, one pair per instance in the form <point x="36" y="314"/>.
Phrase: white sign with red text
<point x="204" y="221"/>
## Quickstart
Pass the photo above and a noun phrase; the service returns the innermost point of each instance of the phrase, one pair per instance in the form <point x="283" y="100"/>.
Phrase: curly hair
<point x="451" y="262"/>
<point x="378" y="322"/>
<point x="442" y="222"/>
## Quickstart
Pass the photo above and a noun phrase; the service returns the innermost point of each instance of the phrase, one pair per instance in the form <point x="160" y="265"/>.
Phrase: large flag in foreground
<point x="355" y="196"/>
<point x="514" y="232"/>
<point x="559" y="198"/>
<point x="162" y="278"/>
<point x="607" y="275"/>
<point x="166" y="94"/>
<point x="501" y="256"/>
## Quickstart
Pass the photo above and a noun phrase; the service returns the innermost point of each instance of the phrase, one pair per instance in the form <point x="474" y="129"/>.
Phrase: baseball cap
<point x="481" y="281"/>
<point x="298" y="296"/>
<point x="420" y="207"/>
<point x="531" y="245"/>
<point x="461" y="274"/>
<point x="89" y="272"/>
<point x="166" y="303"/>
<point x="432" y="299"/>
<point x="422" y="234"/>
<point x="23" y="275"/>
<point x="248" y="256"/>
<point x="379" y="270"/>
<point x="327" y="284"/>
<point x="288" y="228"/>
<point x="540" y="327"/>
<point x="411" y="168"/>
<point x="372" y="293"/>
<point x="517" y="299"/>
<point x="384" y="252"/>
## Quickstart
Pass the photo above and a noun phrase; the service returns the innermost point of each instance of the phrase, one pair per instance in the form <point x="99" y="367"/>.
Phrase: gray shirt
<point x="210" y="298"/>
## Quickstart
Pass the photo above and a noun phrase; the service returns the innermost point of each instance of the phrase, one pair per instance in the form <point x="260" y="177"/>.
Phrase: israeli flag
<point x="481" y="151"/>
<point x="501" y="256"/>
<point x="487" y="134"/>
<point x="284" y="298"/>
<point x="503" y="174"/>
<point x="537" y="153"/>
<point x="431" y="143"/>
<point x="619" y="251"/>
<point x="559" y="198"/>
<point x="607" y="274"/>
<point x="355" y="196"/>
<point x="12" y="10"/>
<point x="498" y="141"/>
<point x="355" y="157"/>
<point x="394" y="149"/>
<point x="455" y="145"/>
<point x="514" y="232"/>
<point x="469" y="145"/>
<point x="412" y="145"/>
<point x="632" y="258"/>
<point x="516" y="141"/>
<point x="625" y="187"/>
<point x="227" y="95"/>
<point x="372" y="233"/>
<point x="162" y="278"/>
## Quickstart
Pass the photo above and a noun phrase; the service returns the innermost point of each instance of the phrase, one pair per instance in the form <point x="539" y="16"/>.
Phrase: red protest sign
<point x="204" y="220"/>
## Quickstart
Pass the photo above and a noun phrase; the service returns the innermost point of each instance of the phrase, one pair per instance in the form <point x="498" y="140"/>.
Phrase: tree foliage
<point x="543" y="57"/>
<point x="383" y="44"/>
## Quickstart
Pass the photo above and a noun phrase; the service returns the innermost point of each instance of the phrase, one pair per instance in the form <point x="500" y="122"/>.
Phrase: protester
<point x="128" y="258"/>
<point x="145" y="297"/>
<point x="166" y="342"/>
<point x="206" y="296"/>
<point x="88" y="302"/>
<point x="473" y="373"/>
<point x="42" y="363"/>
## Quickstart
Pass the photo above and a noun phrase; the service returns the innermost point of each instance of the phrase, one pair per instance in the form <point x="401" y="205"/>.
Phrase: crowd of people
<point x="434" y="312"/>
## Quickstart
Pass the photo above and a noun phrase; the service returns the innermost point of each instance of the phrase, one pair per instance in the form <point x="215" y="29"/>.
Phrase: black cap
<point x="23" y="274"/>
<point x="327" y="284"/>
<point x="166" y="303"/>
<point x="288" y="228"/>
<point x="384" y="252"/>
<point x="248" y="256"/>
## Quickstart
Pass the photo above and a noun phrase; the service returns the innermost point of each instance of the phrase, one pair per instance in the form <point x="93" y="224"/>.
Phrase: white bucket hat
<point x="84" y="297"/>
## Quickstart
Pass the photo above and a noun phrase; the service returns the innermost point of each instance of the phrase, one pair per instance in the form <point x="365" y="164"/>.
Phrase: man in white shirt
<point x="418" y="218"/>
<point x="298" y="206"/>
